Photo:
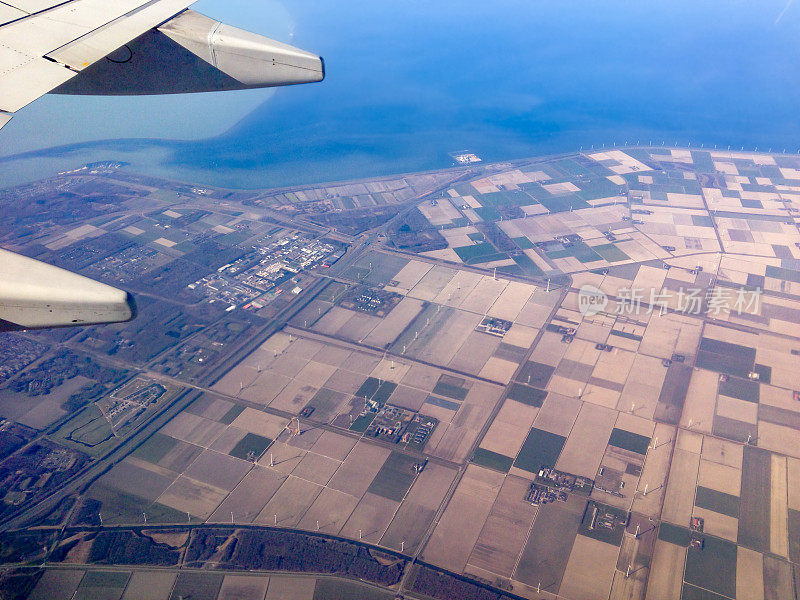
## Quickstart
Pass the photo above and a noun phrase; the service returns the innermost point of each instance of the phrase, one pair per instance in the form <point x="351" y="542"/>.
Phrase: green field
<point x="565" y="203"/>
<point x="197" y="586"/>
<point x="450" y="390"/>
<point x="250" y="445"/>
<point x="526" y="394"/>
<point x="468" y="253"/>
<point x="395" y="477"/>
<point x="337" y="589"/>
<point x="569" y="166"/>
<point x="597" y="189"/>
<point x="626" y="335"/>
<point x="536" y="374"/>
<point x="629" y="441"/>
<point x="545" y="555"/>
<point x="488" y="213"/>
<point x="720" y="502"/>
<point x="713" y="567"/>
<point x="102" y="579"/>
<point x="362" y="422"/>
<point x="160" y="513"/>
<point x="691" y="592"/>
<point x="325" y="403"/>
<point x="384" y="392"/>
<point x="578" y="250"/>
<point x="611" y="253"/>
<point x="155" y="448"/>
<point x="230" y="416"/>
<point x="703" y="162"/>
<point x="673" y="534"/>
<point x="541" y="449"/>
<point x="526" y="266"/>
<point x="233" y="238"/>
<point x="88" y="431"/>
<point x="729" y="214"/>
<point x="718" y="347"/>
<point x="743" y="389"/>
<point x="702" y="221"/>
<point x="731" y="429"/>
<point x="485" y="258"/>
<point x="376" y="390"/>
<point x="312" y="313"/>
<point x="783" y="274"/>
<point x="333" y="291"/>
<point x="368" y="388"/>
<point x="523" y="243"/>
<point x="506" y="198"/>
<point x="117" y="506"/>
<point x="673" y="394"/>
<point x="752" y="204"/>
<point x="754" y="499"/>
<point x="492" y="460"/>
<point x="375" y="268"/>
<point x="724" y="357"/>
<point x="442" y="403"/>
<point x="794" y="535"/>
<point x="764" y="373"/>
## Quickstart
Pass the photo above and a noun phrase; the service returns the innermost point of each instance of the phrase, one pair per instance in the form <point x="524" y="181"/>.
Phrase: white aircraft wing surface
<point x="116" y="47"/>
<point x="134" y="47"/>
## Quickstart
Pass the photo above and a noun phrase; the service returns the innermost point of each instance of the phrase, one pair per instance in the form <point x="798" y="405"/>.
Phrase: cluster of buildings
<point x="253" y="280"/>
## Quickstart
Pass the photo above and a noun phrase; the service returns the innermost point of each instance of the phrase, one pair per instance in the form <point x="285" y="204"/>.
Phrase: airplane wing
<point x="126" y="47"/>
<point x="116" y="47"/>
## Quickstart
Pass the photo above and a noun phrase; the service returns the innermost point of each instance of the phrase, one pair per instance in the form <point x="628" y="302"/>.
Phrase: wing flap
<point x="9" y="13"/>
<point x="44" y="52"/>
<point x="94" y="46"/>
<point x="43" y="32"/>
<point x="33" y="6"/>
<point x="28" y="80"/>
<point x="26" y="72"/>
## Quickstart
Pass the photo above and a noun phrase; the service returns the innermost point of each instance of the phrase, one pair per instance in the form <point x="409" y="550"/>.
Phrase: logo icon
<point x="591" y="300"/>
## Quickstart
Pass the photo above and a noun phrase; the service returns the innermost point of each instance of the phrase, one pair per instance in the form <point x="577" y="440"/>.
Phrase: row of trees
<point x="287" y="551"/>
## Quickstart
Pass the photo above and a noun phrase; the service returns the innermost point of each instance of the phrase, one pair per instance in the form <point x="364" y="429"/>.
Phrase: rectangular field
<point x="540" y="449"/>
<point x="754" y="517"/>
<point x="546" y="553"/>
<point x="395" y="477"/>
<point x="459" y="528"/>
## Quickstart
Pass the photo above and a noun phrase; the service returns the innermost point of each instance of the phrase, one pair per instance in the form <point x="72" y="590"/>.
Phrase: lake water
<point x="410" y="82"/>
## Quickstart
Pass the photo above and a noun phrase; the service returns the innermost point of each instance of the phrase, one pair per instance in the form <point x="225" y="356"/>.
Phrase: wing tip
<point x="131" y="303"/>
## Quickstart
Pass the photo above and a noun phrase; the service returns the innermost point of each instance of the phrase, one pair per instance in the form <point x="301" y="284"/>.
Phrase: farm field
<point x="570" y="378"/>
<point x="143" y="584"/>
